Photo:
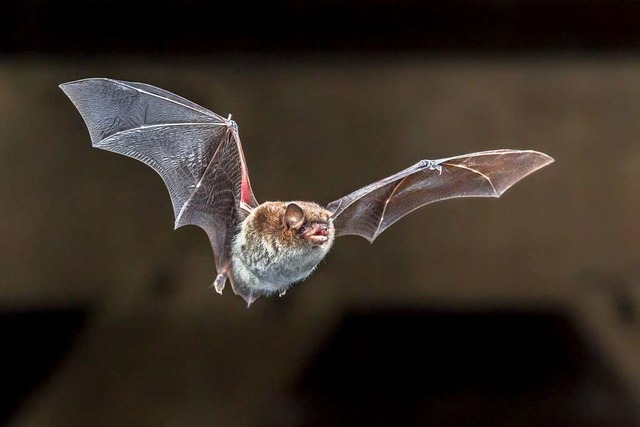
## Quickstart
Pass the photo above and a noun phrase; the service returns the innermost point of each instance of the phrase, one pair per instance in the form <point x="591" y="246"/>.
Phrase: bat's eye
<point x="302" y="229"/>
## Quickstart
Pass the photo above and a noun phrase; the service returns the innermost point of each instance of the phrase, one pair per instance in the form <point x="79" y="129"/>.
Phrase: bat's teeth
<point x="320" y="229"/>
<point x="318" y="233"/>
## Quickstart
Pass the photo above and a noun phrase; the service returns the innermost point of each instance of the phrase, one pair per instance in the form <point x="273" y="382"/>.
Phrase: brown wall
<point x="82" y="226"/>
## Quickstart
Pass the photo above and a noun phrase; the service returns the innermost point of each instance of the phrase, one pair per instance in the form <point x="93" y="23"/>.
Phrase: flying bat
<point x="265" y="248"/>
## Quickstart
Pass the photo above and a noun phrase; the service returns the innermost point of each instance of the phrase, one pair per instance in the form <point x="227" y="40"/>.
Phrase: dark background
<point x="281" y="27"/>
<point x="521" y="311"/>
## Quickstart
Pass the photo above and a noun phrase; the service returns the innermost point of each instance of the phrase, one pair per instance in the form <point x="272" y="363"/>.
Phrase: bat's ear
<point x="293" y="216"/>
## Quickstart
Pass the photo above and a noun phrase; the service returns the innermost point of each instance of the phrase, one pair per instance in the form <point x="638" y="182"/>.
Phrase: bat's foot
<point x="218" y="284"/>
<point x="282" y="292"/>
<point x="431" y="165"/>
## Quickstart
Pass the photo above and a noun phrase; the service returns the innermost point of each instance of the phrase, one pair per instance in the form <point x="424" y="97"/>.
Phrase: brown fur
<point x="267" y="221"/>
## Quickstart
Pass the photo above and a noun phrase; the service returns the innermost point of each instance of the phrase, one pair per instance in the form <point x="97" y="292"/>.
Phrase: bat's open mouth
<point x="322" y="232"/>
<point x="317" y="233"/>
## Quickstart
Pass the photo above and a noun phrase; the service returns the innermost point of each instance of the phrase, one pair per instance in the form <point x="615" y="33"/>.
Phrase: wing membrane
<point x="197" y="152"/>
<point x="369" y="211"/>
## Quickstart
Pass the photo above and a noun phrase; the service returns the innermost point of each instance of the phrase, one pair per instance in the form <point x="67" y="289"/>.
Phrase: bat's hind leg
<point x="219" y="282"/>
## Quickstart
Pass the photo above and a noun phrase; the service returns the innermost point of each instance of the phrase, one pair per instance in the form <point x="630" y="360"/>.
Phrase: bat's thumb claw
<point x="431" y="165"/>
<point x="218" y="284"/>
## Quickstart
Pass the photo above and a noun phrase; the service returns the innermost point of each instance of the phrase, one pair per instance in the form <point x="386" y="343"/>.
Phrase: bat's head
<point x="307" y="222"/>
<point x="292" y="225"/>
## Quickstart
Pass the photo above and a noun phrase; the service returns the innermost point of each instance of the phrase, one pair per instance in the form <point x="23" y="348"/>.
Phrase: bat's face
<point x="290" y="225"/>
<point x="305" y="223"/>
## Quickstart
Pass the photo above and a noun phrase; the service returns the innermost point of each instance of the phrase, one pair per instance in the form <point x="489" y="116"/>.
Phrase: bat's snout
<point x="317" y="233"/>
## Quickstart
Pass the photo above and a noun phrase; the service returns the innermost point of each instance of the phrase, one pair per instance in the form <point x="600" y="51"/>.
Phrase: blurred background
<point x="520" y="311"/>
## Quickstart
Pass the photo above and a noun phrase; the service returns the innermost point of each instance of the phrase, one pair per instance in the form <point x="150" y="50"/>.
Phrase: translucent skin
<point x="268" y="255"/>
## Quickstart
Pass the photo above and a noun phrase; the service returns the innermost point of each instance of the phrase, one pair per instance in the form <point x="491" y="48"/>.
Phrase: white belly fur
<point x="268" y="268"/>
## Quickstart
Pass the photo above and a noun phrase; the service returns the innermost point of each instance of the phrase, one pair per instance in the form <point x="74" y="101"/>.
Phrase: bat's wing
<point x="368" y="211"/>
<point x="196" y="152"/>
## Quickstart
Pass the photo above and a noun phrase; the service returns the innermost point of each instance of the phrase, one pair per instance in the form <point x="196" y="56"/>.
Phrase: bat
<point x="263" y="249"/>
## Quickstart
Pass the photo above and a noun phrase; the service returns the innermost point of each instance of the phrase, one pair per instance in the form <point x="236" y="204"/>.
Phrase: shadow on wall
<point x="34" y="343"/>
<point x="497" y="368"/>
